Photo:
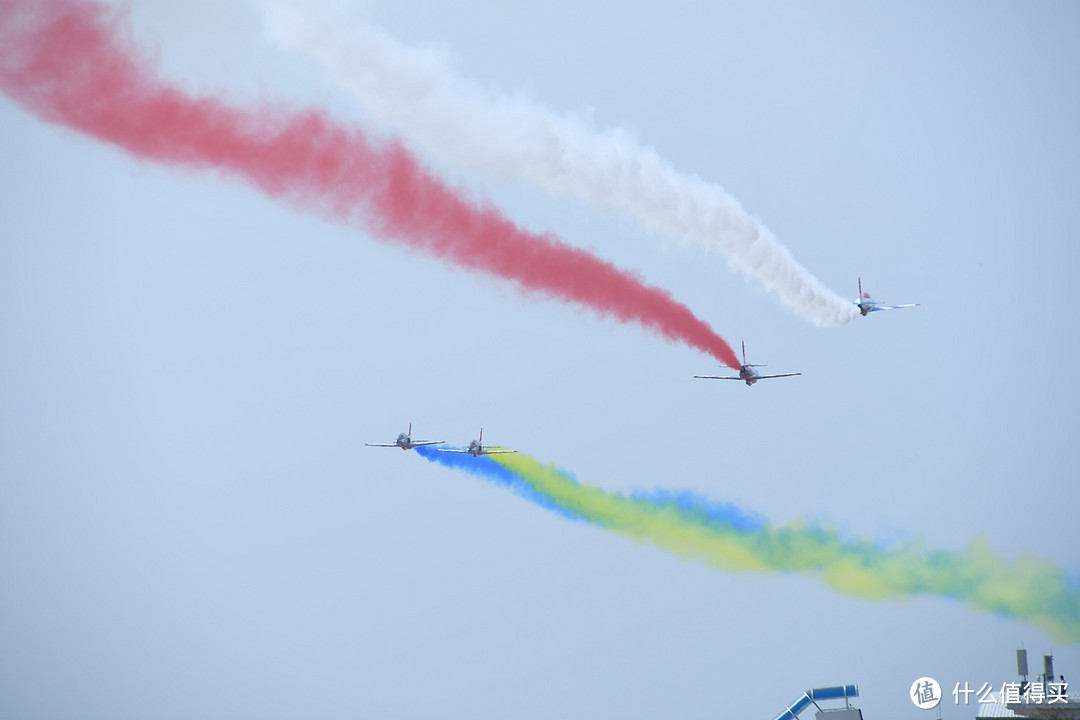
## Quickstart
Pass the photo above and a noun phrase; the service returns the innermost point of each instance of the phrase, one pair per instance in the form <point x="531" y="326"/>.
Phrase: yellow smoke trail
<point x="1029" y="588"/>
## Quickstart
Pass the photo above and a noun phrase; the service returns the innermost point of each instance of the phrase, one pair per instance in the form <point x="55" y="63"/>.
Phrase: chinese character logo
<point x="925" y="693"/>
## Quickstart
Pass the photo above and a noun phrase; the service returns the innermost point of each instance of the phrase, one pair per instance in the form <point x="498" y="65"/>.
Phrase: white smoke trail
<point x="417" y="92"/>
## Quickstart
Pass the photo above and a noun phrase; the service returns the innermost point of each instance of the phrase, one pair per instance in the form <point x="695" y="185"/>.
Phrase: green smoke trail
<point x="1029" y="589"/>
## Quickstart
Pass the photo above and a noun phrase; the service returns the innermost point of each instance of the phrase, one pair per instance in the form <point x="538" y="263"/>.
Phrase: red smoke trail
<point x="72" y="63"/>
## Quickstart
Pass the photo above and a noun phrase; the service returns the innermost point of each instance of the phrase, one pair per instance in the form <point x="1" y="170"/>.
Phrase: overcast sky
<point x="191" y="525"/>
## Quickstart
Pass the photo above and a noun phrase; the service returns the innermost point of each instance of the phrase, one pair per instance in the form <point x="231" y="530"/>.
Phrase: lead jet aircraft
<point x="405" y="441"/>
<point x="746" y="372"/>
<point x="868" y="304"/>
<point x="476" y="448"/>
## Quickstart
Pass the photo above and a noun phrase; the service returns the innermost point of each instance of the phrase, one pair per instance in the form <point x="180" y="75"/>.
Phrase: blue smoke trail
<point x="718" y="533"/>
<point x="485" y="468"/>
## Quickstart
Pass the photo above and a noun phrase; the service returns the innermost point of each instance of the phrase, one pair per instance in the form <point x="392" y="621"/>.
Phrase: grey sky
<point x="191" y="526"/>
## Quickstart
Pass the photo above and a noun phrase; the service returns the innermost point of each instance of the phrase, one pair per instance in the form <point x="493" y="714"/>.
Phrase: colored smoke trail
<point x="513" y="136"/>
<point x="725" y="537"/>
<point x="71" y="63"/>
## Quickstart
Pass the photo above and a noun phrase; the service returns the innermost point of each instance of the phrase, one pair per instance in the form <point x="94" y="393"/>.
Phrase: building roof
<point x="1042" y="711"/>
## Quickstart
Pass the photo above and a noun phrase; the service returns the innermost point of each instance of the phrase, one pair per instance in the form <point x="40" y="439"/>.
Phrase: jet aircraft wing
<point x="766" y="377"/>
<point x="485" y="451"/>
<point x="716" y="377"/>
<point x="384" y="444"/>
<point x="892" y="307"/>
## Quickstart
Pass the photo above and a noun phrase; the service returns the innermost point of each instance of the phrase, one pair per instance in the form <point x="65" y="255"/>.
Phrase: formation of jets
<point x="476" y="447"/>
<point x="747" y="374"/>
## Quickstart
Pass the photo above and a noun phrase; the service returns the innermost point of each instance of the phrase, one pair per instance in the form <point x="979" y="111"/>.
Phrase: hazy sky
<point x="192" y="527"/>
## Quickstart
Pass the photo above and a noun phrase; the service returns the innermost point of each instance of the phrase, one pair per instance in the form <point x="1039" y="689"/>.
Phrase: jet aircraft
<point x="867" y="304"/>
<point x="746" y="373"/>
<point x="476" y="448"/>
<point x="405" y="441"/>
